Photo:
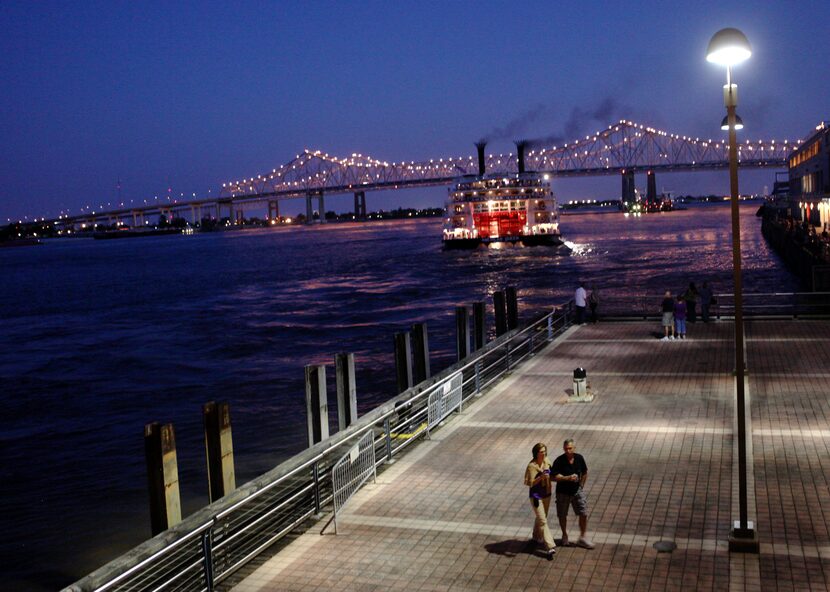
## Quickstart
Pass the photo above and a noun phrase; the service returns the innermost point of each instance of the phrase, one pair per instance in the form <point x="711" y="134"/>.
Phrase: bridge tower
<point x="309" y="210"/>
<point x="273" y="210"/>
<point x="627" y="195"/>
<point x="360" y="205"/>
<point x="651" y="187"/>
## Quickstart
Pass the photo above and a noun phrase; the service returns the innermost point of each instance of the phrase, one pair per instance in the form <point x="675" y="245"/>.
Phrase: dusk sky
<point x="190" y="95"/>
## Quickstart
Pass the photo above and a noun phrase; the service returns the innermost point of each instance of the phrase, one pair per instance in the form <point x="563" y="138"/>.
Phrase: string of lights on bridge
<point x="358" y="170"/>
<point x="465" y="164"/>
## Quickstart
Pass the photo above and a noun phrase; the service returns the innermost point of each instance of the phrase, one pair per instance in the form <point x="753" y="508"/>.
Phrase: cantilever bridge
<point x="624" y="147"/>
<point x="620" y="147"/>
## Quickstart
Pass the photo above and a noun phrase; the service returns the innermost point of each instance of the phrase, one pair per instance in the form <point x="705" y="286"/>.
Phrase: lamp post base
<point x="744" y="540"/>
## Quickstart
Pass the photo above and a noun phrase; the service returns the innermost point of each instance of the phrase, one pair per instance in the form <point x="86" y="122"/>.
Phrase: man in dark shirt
<point x="570" y="473"/>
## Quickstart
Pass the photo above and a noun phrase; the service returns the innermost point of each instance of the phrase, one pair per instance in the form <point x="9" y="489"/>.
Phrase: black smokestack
<point x="480" y="145"/>
<point x="520" y="154"/>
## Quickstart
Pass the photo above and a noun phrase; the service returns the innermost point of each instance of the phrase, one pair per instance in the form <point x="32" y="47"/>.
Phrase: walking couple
<point x="570" y="472"/>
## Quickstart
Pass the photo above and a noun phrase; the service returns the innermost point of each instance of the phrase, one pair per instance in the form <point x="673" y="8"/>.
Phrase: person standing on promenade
<point x="593" y="302"/>
<point x="680" y="317"/>
<point x="705" y="301"/>
<point x="690" y="296"/>
<point x="580" y="297"/>
<point x="667" y="307"/>
<point x="537" y="478"/>
<point x="570" y="472"/>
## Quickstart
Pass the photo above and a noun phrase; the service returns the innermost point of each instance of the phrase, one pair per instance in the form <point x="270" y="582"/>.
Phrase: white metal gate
<point x="444" y="400"/>
<point x="352" y="471"/>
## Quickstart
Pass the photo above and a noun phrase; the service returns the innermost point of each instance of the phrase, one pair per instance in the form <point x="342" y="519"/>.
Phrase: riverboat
<point x="511" y="208"/>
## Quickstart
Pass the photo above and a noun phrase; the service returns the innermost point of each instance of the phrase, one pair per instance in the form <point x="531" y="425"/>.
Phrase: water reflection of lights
<point x="578" y="248"/>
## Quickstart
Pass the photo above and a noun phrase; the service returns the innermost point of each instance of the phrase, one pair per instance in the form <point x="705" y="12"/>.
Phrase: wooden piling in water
<point x="462" y="332"/>
<point x="500" y="311"/>
<point x="316" y="403"/>
<point x="403" y="361"/>
<point x="218" y="449"/>
<point x="420" y="351"/>
<point x="479" y="324"/>
<point x="346" y="390"/>
<point x="512" y="307"/>
<point x="162" y="476"/>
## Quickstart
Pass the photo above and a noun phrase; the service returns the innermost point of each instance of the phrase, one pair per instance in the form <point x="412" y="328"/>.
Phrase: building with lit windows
<point x="809" y="177"/>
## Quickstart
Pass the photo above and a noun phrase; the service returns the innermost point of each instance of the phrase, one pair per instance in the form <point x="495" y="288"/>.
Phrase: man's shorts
<point x="668" y="319"/>
<point x="579" y="502"/>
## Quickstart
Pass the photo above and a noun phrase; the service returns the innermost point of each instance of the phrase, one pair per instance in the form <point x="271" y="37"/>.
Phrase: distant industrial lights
<point x="739" y="123"/>
<point x="728" y="47"/>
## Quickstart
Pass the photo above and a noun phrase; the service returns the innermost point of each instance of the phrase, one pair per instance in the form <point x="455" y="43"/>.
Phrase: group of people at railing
<point x="804" y="234"/>
<point x="681" y="308"/>
<point x="676" y="311"/>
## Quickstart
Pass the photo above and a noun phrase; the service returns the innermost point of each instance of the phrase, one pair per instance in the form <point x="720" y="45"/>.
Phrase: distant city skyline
<point x="144" y="102"/>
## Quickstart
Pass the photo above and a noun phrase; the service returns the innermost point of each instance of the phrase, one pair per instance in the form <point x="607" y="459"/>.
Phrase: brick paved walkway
<point x="453" y="513"/>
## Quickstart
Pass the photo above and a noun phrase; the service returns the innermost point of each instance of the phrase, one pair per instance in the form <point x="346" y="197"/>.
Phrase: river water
<point x="98" y="338"/>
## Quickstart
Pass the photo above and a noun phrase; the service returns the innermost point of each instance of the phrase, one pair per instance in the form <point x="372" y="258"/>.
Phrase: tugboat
<point x="501" y="208"/>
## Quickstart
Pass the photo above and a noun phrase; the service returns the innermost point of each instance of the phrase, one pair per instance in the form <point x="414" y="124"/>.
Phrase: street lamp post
<point x="729" y="47"/>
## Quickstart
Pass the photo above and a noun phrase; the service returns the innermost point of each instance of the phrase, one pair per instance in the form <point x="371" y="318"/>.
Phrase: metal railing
<point x="763" y="304"/>
<point x="208" y="546"/>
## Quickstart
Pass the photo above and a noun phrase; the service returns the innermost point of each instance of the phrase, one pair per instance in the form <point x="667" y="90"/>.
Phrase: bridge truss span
<point x="623" y="146"/>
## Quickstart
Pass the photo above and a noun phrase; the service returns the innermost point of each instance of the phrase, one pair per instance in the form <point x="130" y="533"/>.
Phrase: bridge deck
<point x="453" y="513"/>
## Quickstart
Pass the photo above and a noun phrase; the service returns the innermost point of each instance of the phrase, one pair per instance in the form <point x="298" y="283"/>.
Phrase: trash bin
<point x="580" y="382"/>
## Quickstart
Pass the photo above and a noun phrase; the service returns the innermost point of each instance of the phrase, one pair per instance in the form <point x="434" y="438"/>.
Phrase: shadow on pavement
<point x="512" y="547"/>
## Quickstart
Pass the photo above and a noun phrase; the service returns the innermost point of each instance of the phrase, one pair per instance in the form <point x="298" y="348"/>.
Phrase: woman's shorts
<point x="668" y="319"/>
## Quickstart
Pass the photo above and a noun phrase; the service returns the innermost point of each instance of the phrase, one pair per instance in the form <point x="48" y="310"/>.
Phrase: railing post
<point x="507" y="354"/>
<point x="531" y="352"/>
<point x="316" y="474"/>
<point x="207" y="557"/>
<point x="387" y="429"/>
<point x="550" y="327"/>
<point x="478" y="377"/>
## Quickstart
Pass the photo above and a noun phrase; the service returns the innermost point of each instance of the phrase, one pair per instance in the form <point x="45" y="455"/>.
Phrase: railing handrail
<point x="197" y="523"/>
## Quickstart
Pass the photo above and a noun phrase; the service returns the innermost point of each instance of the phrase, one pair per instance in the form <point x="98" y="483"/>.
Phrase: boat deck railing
<point x="211" y="544"/>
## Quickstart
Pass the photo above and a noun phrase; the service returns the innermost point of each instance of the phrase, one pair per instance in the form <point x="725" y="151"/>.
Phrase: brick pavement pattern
<point x="452" y="514"/>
